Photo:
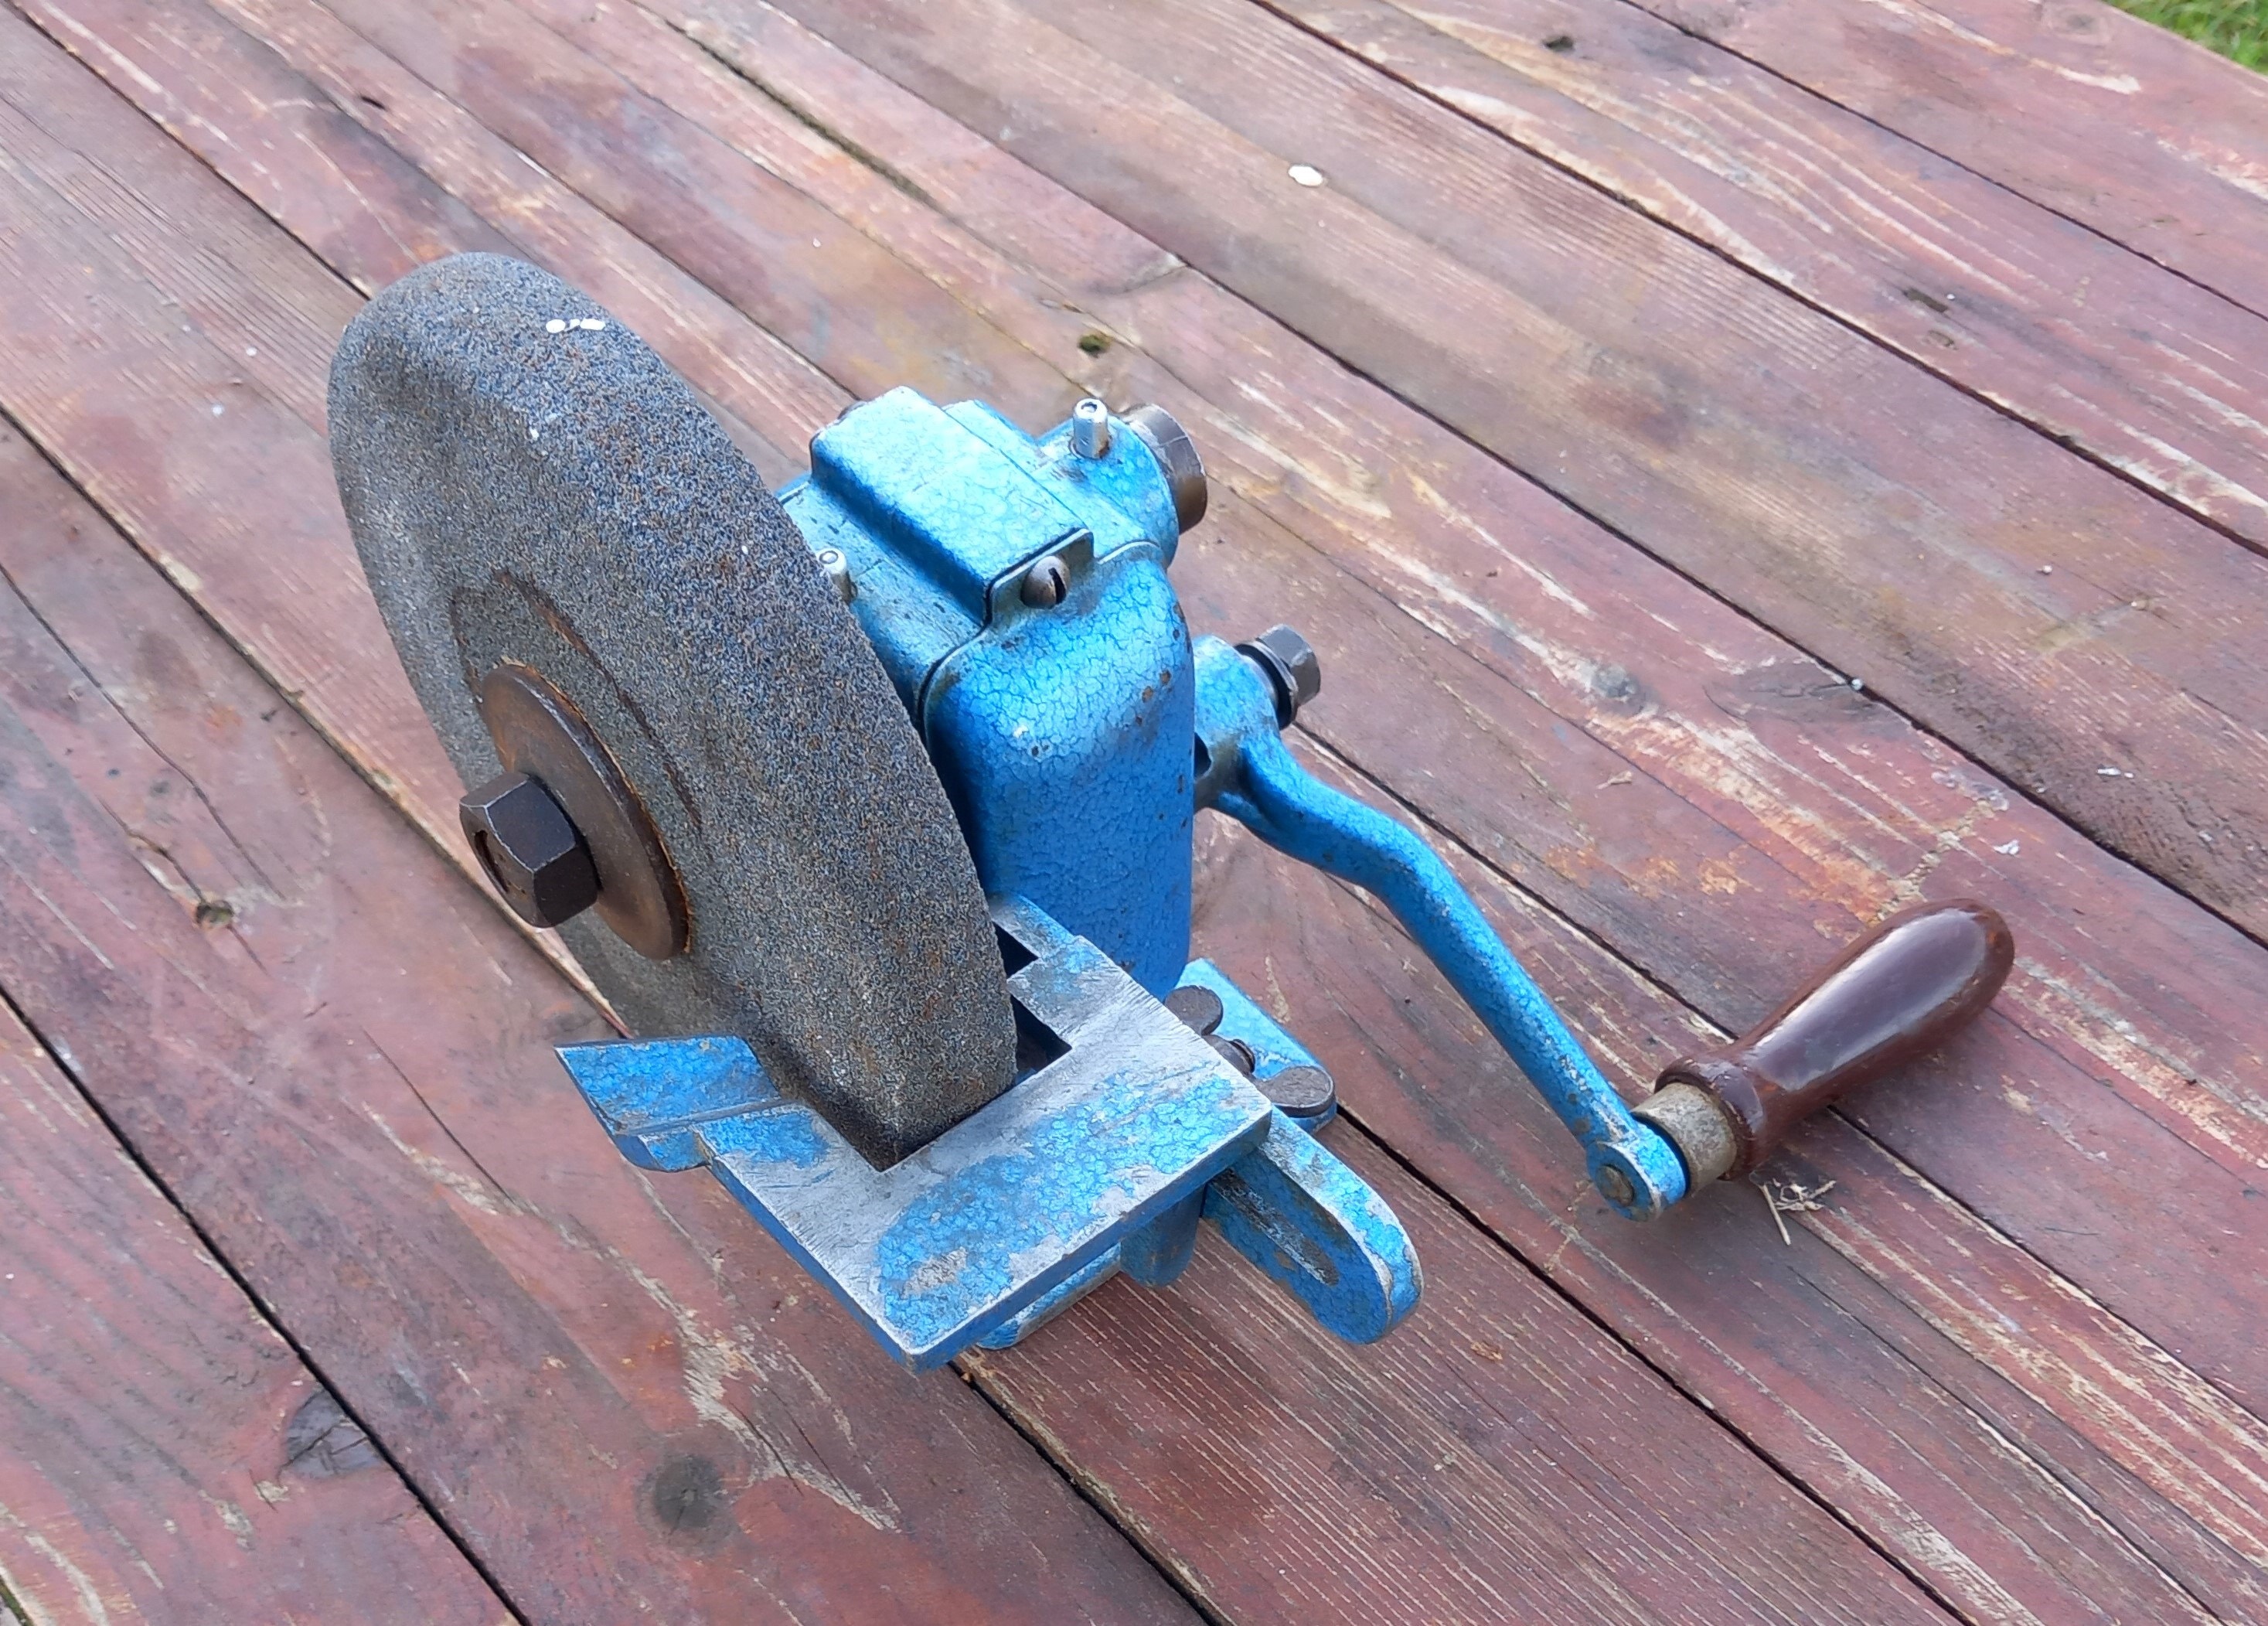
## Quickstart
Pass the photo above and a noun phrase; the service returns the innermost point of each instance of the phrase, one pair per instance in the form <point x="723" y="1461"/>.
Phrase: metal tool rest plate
<point x="1133" y="1115"/>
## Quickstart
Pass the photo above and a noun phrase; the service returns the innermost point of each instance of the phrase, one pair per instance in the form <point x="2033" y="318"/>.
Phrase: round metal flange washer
<point x="577" y="565"/>
<point x="537" y="731"/>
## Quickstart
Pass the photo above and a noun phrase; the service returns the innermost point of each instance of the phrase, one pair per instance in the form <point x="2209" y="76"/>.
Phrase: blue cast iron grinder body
<point x="1016" y="592"/>
<point x="1063" y="733"/>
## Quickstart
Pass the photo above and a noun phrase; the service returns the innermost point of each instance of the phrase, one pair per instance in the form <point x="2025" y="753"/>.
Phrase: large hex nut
<point x="1293" y="669"/>
<point x="532" y="851"/>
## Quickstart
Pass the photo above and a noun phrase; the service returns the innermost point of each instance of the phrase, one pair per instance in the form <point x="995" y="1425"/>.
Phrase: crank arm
<point x="1897" y="993"/>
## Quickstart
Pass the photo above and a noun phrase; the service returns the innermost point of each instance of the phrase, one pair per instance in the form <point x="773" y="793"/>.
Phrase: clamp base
<point x="1127" y="1127"/>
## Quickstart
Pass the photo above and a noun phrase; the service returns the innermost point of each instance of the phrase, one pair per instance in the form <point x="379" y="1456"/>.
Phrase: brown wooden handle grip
<point x="1897" y="993"/>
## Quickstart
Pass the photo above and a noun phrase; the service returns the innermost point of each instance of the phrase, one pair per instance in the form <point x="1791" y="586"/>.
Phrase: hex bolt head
<point x="1046" y="583"/>
<point x="1616" y="1187"/>
<point x="533" y="853"/>
<point x="1291" y="666"/>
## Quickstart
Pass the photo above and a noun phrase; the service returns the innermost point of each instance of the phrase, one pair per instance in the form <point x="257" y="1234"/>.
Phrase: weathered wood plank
<point x="163" y="1453"/>
<point x="1298" y="471"/>
<point x="1938" y="1409"/>
<point x="2128" y="128"/>
<point x="1762" y="1551"/>
<point x="547" y="1284"/>
<point x="1890" y="525"/>
<point x="1200" y="1384"/>
<point x="334" y="1051"/>
<point x="2083" y="339"/>
<point x="1379" y="486"/>
<point x="115" y="175"/>
<point x="1655" y="675"/>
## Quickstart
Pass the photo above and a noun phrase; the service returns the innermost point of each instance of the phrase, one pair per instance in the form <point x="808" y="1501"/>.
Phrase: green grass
<point x="2238" y="29"/>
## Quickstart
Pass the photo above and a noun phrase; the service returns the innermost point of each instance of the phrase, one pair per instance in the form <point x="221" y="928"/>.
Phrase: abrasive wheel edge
<point x="526" y="480"/>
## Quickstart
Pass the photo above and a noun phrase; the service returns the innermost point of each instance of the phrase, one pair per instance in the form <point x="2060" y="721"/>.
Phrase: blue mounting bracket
<point x="1101" y="1158"/>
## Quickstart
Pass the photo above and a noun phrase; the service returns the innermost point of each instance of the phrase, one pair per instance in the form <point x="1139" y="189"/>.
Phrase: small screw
<point x="1199" y="1007"/>
<point x="1616" y="1186"/>
<point x="1090" y="428"/>
<point x="1235" y="1052"/>
<point x="838" y="574"/>
<point x="1046" y="583"/>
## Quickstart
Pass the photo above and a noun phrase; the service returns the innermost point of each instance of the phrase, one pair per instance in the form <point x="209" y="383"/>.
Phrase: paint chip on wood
<point x="1305" y="174"/>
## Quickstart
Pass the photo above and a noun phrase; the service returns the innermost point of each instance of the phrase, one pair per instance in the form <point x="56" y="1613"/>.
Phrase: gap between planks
<point x="1998" y="349"/>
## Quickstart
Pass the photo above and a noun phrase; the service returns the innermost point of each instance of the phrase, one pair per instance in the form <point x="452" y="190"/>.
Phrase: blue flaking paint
<point x="1060" y="733"/>
<point x="1312" y="1223"/>
<point x="1128" y="1124"/>
<point x="1273" y="1046"/>
<point x="1054" y="1302"/>
<point x="1252" y="776"/>
<point x="650" y="1093"/>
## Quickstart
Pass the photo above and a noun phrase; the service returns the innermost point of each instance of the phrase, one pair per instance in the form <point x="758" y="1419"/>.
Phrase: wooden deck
<point x="1746" y="464"/>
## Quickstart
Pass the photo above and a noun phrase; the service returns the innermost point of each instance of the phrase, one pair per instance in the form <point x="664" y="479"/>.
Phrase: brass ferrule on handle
<point x="1898" y="992"/>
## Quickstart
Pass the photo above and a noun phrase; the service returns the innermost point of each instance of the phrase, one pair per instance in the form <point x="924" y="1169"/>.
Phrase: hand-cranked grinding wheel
<point x="588" y="584"/>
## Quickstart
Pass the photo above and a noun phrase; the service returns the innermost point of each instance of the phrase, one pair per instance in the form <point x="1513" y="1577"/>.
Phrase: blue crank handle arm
<point x="1248" y="773"/>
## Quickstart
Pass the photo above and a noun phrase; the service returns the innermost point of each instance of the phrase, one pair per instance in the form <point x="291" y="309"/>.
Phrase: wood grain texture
<point x="1415" y="1445"/>
<point x="153" y="1463"/>
<point x="2130" y="129"/>
<point x="524" y="1194"/>
<point x="2084" y="340"/>
<point x="1798" y="797"/>
<point x="1963" y="1416"/>
<point x="1890" y="525"/>
<point x="617" y="1393"/>
<point x="1310" y="461"/>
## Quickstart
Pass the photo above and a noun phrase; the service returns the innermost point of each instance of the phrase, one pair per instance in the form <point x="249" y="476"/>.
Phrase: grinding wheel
<point x="542" y="507"/>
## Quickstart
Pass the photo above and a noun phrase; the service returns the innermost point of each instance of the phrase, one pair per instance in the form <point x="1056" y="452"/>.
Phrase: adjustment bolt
<point x="1046" y="583"/>
<point x="1617" y="1187"/>
<point x="533" y="853"/>
<point x="837" y="569"/>
<point x="1303" y="1092"/>
<point x="1289" y="662"/>
<point x="1090" y="428"/>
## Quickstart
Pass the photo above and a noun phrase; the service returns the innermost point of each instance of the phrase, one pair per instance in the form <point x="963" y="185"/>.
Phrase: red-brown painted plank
<point x="1452" y="1499"/>
<point x="1890" y="524"/>
<point x="1994" y="1428"/>
<point x="2122" y="126"/>
<point x="164" y="1455"/>
<point x="334" y="1054"/>
<point x="113" y="942"/>
<point x="472" y="1360"/>
<point x="1666" y="714"/>
<point x="1041" y="217"/>
<point x="334" y="1051"/>
<point x="2080" y="337"/>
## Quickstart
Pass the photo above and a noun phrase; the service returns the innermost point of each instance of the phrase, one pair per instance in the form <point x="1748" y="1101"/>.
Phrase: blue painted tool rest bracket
<point x="1016" y="592"/>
